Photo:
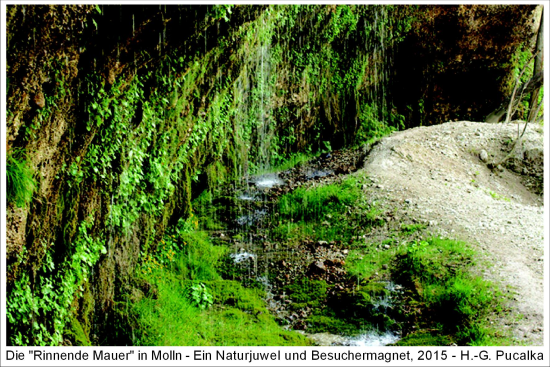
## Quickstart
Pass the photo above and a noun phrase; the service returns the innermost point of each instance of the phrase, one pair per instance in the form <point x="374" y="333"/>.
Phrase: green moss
<point x="331" y="324"/>
<point x="368" y="293"/>
<point x="308" y="292"/>
<point x="370" y="261"/>
<point x="86" y="309"/>
<point x="76" y="333"/>
<point x="232" y="293"/>
<point x="238" y="317"/>
<point x="425" y="338"/>
<point x="440" y="275"/>
<point x="197" y="258"/>
<point x="441" y="290"/>
<point x="334" y="212"/>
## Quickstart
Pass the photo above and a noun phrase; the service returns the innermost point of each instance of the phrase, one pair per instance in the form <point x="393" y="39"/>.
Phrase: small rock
<point x="317" y="267"/>
<point x="385" y="266"/>
<point x="386" y="246"/>
<point x="322" y="243"/>
<point x="483" y="156"/>
<point x="39" y="100"/>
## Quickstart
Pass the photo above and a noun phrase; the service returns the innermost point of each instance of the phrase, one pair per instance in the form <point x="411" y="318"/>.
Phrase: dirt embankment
<point x="438" y="175"/>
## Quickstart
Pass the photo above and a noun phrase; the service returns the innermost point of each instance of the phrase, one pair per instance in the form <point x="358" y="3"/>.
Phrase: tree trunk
<point x="529" y="86"/>
<point x="533" y="105"/>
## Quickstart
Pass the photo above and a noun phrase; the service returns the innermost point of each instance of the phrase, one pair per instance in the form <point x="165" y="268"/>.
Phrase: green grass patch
<point x="367" y="260"/>
<point x="307" y="292"/>
<point x="425" y="338"/>
<point x="20" y="182"/>
<point x="237" y="317"/>
<point x="290" y="162"/>
<point x="315" y="203"/>
<point x="408" y="229"/>
<point x="192" y="304"/>
<point x="442" y="294"/>
<point x="334" y="212"/>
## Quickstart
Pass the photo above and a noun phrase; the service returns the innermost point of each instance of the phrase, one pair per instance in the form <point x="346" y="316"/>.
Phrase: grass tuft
<point x="20" y="182"/>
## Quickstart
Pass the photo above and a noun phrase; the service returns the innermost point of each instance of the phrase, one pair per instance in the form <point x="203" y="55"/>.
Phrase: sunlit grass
<point x="439" y="277"/>
<point x="314" y="203"/>
<point x="20" y="183"/>
<point x="238" y="316"/>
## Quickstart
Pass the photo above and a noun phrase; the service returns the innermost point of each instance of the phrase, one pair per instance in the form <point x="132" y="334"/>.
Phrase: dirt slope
<point x="435" y="175"/>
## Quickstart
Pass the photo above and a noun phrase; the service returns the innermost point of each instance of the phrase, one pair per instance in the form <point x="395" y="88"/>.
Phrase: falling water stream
<point x="257" y="256"/>
<point x="252" y="251"/>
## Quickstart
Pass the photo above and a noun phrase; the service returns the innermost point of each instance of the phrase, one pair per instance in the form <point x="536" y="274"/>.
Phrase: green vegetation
<point x="334" y="213"/>
<point x="135" y="141"/>
<point x="497" y="196"/>
<point x="45" y="302"/>
<point x="315" y="203"/>
<point x="441" y="297"/>
<point x="444" y="300"/>
<point x="440" y="285"/>
<point x="307" y="293"/>
<point x="327" y="212"/>
<point x="412" y="228"/>
<point x="20" y="180"/>
<point x="192" y="305"/>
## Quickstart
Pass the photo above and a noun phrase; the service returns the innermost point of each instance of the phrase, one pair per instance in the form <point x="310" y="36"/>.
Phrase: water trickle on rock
<point x="262" y="260"/>
<point x="267" y="181"/>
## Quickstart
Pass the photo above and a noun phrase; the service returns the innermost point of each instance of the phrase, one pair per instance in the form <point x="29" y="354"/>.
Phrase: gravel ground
<point x="439" y="175"/>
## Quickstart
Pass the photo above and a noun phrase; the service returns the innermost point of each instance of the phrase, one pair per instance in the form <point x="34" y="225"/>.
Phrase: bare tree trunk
<point x="534" y="83"/>
<point x="533" y="105"/>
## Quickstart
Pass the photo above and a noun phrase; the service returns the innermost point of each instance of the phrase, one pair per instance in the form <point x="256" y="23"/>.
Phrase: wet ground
<point x="257" y="260"/>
